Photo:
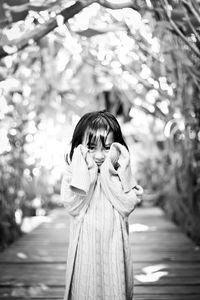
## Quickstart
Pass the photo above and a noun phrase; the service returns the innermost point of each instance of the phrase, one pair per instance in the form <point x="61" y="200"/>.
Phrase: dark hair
<point x="92" y="122"/>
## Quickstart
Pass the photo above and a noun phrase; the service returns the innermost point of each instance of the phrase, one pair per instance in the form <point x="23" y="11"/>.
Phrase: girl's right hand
<point x="83" y="170"/>
<point x="88" y="158"/>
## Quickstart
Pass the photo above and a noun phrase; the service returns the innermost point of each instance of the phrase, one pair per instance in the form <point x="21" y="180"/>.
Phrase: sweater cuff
<point x="80" y="181"/>
<point x="127" y="180"/>
<point x="120" y="155"/>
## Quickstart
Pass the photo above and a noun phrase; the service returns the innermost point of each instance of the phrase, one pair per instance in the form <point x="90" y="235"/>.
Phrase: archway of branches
<point x="138" y="59"/>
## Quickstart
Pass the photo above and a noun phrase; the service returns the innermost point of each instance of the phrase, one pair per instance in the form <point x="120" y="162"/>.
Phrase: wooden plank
<point x="33" y="298"/>
<point x="49" y="274"/>
<point x="136" y="297"/>
<point x="27" y="292"/>
<point x="49" y="292"/>
<point x="145" y="246"/>
<point x="136" y="265"/>
<point x="60" y="255"/>
<point x="167" y="290"/>
<point x="166" y="297"/>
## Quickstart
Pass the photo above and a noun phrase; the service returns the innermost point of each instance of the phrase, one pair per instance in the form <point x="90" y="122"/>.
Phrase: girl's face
<point x="99" y="150"/>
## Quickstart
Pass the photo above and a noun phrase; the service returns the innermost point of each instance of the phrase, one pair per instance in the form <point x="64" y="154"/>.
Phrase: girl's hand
<point x="88" y="158"/>
<point x="138" y="190"/>
<point x="83" y="169"/>
<point x="114" y="156"/>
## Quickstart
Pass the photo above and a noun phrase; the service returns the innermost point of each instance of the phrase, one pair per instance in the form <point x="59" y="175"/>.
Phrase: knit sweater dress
<point x="99" y="264"/>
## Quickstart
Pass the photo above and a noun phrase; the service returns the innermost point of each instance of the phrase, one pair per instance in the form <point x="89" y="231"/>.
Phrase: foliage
<point x="140" y="62"/>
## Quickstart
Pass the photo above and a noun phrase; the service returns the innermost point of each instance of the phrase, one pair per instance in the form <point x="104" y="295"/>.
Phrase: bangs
<point x="97" y="132"/>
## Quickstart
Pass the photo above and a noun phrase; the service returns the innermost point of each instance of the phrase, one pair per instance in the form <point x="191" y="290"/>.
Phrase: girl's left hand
<point x="138" y="190"/>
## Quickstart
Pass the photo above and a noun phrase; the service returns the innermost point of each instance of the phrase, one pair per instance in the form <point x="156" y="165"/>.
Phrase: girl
<point x="99" y="192"/>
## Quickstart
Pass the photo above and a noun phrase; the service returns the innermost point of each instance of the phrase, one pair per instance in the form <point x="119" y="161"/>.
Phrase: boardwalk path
<point x="166" y="263"/>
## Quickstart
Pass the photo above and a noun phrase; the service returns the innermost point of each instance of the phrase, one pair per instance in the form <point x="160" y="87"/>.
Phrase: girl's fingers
<point x="139" y="190"/>
<point x="84" y="151"/>
<point x="114" y="155"/>
<point x="90" y="161"/>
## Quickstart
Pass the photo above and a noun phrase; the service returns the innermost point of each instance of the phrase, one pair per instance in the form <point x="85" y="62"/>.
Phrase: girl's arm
<point x="78" y="181"/>
<point x="118" y="182"/>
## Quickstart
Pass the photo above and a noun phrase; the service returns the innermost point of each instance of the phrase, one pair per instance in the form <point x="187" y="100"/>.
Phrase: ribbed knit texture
<point x="99" y="264"/>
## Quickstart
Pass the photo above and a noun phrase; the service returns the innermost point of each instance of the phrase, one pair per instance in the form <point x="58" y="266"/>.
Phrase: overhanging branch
<point x="157" y="113"/>
<point x="42" y="30"/>
<point x="120" y="5"/>
<point x="177" y="30"/>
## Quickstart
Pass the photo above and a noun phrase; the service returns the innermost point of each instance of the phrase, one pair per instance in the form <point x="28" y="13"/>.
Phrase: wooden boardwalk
<point x="166" y="262"/>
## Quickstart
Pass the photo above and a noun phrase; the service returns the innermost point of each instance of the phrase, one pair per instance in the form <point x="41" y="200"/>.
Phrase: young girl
<point x="99" y="192"/>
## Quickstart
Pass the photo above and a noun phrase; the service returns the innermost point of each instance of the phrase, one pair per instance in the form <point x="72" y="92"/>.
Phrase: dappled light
<point x="152" y="273"/>
<point x="29" y="224"/>
<point x="60" y="225"/>
<point x="140" y="228"/>
<point x="23" y="291"/>
<point x="22" y="255"/>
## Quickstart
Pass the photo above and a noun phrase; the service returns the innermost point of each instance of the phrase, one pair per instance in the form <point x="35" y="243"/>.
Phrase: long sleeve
<point x="77" y="182"/>
<point x="119" y="156"/>
<point x="118" y="184"/>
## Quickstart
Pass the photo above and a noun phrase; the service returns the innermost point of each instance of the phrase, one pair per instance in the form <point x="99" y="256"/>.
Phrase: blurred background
<point x="140" y="60"/>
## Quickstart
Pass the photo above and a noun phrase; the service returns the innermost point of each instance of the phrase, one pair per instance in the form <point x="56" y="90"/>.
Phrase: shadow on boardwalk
<point x="166" y="262"/>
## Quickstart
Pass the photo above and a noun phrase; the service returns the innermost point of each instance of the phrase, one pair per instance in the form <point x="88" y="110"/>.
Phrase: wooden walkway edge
<point x="166" y="263"/>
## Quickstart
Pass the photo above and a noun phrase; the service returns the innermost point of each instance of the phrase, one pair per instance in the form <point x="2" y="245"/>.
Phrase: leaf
<point x="90" y="32"/>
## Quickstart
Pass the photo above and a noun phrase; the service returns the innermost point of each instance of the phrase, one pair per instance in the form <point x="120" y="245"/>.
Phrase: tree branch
<point x="141" y="44"/>
<point x="128" y="4"/>
<point x="150" y="86"/>
<point x="25" y="7"/>
<point x="40" y="31"/>
<point x="157" y="112"/>
<point x="177" y="30"/>
<point x="192" y="9"/>
<point x="192" y="28"/>
<point x="31" y="6"/>
<point x="122" y="4"/>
